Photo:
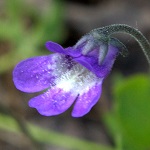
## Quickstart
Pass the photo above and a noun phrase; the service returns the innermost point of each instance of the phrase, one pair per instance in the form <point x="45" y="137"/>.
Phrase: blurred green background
<point x="120" y="120"/>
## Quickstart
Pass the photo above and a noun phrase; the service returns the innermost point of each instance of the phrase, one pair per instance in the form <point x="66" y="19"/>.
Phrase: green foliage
<point x="25" y="28"/>
<point x="8" y="123"/>
<point x="130" y="117"/>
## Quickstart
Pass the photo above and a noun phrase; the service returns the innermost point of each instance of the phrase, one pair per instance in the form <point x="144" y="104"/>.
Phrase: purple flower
<point x="70" y="75"/>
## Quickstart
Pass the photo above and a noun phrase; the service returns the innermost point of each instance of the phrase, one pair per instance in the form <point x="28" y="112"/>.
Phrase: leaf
<point x="132" y="98"/>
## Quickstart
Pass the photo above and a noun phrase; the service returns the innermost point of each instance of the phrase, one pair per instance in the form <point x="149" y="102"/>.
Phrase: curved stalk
<point x="107" y="31"/>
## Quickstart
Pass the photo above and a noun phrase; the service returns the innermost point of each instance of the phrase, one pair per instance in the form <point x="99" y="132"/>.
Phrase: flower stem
<point x="107" y="31"/>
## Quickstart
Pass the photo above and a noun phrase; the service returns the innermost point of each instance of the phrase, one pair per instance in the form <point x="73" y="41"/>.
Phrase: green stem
<point x="122" y="28"/>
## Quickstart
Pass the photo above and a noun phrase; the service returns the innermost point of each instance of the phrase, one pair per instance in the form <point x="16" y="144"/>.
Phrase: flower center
<point x="76" y="79"/>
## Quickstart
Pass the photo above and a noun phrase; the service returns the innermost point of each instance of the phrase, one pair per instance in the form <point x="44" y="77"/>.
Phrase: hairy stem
<point x="135" y="33"/>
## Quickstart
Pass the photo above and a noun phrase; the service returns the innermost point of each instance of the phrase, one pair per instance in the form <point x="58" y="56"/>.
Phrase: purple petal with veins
<point x="87" y="100"/>
<point x="53" y="102"/>
<point x="38" y="73"/>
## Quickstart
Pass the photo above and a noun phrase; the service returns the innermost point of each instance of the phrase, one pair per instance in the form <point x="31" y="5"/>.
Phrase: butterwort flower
<point x="69" y="76"/>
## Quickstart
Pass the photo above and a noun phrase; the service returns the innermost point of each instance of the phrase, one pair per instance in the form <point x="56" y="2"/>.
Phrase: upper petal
<point x="87" y="100"/>
<point x="91" y="62"/>
<point x="53" y="102"/>
<point x="54" y="47"/>
<point x="37" y="73"/>
<point x="73" y="52"/>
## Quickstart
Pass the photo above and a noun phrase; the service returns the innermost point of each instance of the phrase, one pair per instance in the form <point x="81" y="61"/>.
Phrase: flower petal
<point x="37" y="73"/>
<point x="87" y="100"/>
<point x="54" y="47"/>
<point x="73" y="52"/>
<point x="53" y="102"/>
<point x="91" y="62"/>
